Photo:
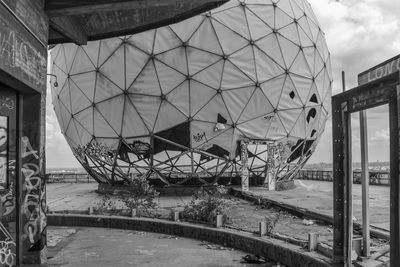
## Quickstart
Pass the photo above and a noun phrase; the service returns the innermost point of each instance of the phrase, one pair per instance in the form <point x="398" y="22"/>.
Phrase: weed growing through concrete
<point x="271" y="223"/>
<point x="206" y="204"/>
<point x="107" y="204"/>
<point x="140" y="196"/>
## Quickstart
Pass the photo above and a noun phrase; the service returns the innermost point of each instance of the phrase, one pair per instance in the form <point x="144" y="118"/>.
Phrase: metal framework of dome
<point x="173" y="103"/>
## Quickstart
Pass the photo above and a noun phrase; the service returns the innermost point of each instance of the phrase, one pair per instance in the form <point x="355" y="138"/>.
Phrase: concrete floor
<point x="318" y="196"/>
<point x="143" y="248"/>
<point x="314" y="195"/>
<point x="81" y="196"/>
<point x="95" y="247"/>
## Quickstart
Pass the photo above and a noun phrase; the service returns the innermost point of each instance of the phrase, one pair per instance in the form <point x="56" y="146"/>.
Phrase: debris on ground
<point x="308" y="222"/>
<point x="254" y="259"/>
<point x="167" y="237"/>
<point x="214" y="246"/>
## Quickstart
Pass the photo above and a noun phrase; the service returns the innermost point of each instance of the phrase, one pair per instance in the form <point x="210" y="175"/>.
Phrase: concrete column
<point x="245" y="168"/>
<point x="270" y="179"/>
<point x="33" y="192"/>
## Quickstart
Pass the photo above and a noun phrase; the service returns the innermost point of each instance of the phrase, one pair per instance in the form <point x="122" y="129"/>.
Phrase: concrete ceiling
<point x="80" y="21"/>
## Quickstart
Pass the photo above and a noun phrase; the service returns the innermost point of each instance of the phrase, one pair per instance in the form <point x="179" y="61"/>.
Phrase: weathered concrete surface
<point x="277" y="250"/>
<point x="113" y="247"/>
<point x="313" y="195"/>
<point x="71" y="196"/>
<point x="317" y="196"/>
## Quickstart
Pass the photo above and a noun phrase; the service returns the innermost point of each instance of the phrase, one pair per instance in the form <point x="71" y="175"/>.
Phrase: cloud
<point x="380" y="135"/>
<point x="360" y="34"/>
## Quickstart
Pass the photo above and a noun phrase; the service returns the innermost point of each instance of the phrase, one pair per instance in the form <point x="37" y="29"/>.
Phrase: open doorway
<point x="379" y="92"/>
<point x="371" y="188"/>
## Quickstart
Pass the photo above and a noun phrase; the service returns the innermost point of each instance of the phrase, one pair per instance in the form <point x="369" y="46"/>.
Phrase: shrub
<point x="141" y="195"/>
<point x="206" y="204"/>
<point x="106" y="204"/>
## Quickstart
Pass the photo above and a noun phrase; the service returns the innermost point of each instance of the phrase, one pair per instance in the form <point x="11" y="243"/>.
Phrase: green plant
<point x="140" y="195"/>
<point x="106" y="204"/>
<point x="271" y="223"/>
<point x="206" y="204"/>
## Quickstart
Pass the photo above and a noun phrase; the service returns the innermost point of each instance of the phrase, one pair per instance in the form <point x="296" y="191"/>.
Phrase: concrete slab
<point x="94" y="247"/>
<point x="245" y="216"/>
<point x="317" y="196"/>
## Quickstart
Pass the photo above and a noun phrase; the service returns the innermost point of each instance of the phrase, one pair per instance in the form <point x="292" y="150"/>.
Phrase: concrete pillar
<point x="270" y="179"/>
<point x="245" y="168"/>
<point x="33" y="191"/>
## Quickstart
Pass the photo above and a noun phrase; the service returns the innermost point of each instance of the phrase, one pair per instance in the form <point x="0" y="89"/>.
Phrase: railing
<point x="375" y="177"/>
<point x="68" y="177"/>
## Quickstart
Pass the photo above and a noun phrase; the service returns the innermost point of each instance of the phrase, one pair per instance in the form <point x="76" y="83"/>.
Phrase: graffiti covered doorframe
<point x="9" y="182"/>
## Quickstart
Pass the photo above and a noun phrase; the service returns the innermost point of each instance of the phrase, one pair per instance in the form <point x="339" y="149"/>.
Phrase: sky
<point x="360" y="34"/>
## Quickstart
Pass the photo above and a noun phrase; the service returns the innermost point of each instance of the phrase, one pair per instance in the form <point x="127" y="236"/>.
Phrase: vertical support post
<point x="343" y="81"/>
<point x="175" y="216"/>
<point x="245" y="170"/>
<point x="338" y="184"/>
<point x="312" y="241"/>
<point x="394" y="119"/>
<point x="342" y="183"/>
<point x="364" y="183"/>
<point x="33" y="204"/>
<point x="270" y="175"/>
<point x="219" y="222"/>
<point x="348" y="188"/>
<point x="263" y="228"/>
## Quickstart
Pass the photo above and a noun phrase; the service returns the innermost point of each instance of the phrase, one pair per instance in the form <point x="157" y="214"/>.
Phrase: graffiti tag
<point x="199" y="137"/>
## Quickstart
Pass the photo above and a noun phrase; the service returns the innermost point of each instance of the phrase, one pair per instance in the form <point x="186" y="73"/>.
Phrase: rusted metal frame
<point x="227" y="165"/>
<point x="169" y="160"/>
<point x="364" y="183"/>
<point x="198" y="151"/>
<point x="348" y="184"/>
<point x="394" y="117"/>
<point x="339" y="231"/>
<point x="370" y="95"/>
<point x="183" y="181"/>
<point x="98" y="167"/>
<point x="198" y="165"/>
<point x="114" y="164"/>
<point x="219" y="164"/>
<point x="162" y="177"/>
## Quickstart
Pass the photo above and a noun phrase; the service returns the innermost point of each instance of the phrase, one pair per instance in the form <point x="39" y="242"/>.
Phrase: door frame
<point x="376" y="93"/>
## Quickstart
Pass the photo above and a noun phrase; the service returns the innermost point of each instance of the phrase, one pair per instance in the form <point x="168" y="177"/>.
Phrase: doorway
<point x="8" y="177"/>
<point x="379" y="92"/>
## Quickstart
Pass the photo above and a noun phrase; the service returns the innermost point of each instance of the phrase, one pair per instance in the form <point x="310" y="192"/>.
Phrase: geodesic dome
<point x="173" y="103"/>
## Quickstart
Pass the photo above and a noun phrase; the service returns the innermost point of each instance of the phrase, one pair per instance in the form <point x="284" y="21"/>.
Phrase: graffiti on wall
<point x="7" y="103"/>
<point x="8" y="225"/>
<point x="3" y="151"/>
<point x="7" y="247"/>
<point x="34" y="200"/>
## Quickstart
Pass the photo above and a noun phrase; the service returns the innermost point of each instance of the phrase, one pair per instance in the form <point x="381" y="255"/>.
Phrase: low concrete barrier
<point x="273" y="249"/>
<point x="303" y="212"/>
<point x="375" y="177"/>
